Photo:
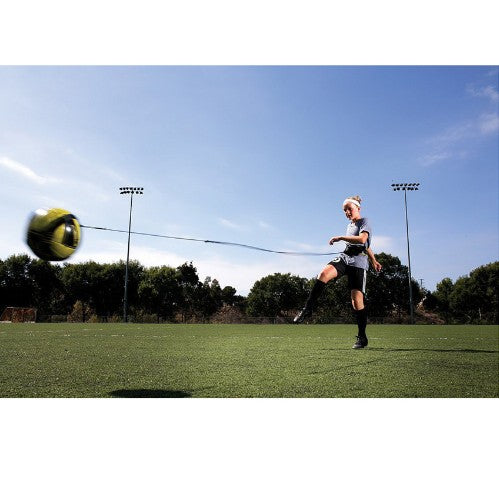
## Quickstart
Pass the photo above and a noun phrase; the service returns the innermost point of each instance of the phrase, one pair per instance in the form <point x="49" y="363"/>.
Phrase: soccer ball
<point x="53" y="234"/>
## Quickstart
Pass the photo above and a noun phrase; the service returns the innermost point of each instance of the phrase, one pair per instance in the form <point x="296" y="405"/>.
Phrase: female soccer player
<point x="352" y="262"/>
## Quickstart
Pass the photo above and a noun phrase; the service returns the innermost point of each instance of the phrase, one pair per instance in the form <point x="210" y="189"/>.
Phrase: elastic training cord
<point x="218" y="242"/>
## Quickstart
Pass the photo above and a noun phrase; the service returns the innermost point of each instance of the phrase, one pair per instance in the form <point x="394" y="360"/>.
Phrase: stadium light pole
<point x="407" y="187"/>
<point x="131" y="191"/>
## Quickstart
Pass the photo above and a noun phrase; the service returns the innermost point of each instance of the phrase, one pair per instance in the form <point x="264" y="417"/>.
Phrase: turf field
<point x="175" y="360"/>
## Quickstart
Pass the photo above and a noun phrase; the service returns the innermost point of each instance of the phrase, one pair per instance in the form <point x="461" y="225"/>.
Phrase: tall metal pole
<point x="125" y="299"/>
<point x="407" y="187"/>
<point x="411" y="304"/>
<point x="131" y="191"/>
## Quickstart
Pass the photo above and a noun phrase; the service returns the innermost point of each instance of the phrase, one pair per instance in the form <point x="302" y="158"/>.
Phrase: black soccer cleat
<point x="303" y="315"/>
<point x="361" y="342"/>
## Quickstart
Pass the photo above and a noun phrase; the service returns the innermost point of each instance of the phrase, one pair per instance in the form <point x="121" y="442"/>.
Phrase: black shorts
<point x="356" y="275"/>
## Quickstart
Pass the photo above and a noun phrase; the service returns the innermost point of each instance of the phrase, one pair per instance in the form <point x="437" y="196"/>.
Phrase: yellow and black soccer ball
<point x="53" y="234"/>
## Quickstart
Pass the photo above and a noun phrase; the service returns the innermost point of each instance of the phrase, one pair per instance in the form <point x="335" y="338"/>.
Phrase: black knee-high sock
<point x="315" y="293"/>
<point x="361" y="317"/>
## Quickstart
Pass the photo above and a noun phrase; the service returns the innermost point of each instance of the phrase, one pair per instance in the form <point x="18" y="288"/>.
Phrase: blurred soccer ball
<point x="53" y="234"/>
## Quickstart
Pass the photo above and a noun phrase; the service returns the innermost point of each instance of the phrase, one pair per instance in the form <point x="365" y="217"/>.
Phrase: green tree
<point x="112" y="284"/>
<point x="29" y="282"/>
<point x="335" y="301"/>
<point x="160" y="291"/>
<point x="439" y="300"/>
<point x="101" y="286"/>
<point x="80" y="283"/>
<point x="475" y="297"/>
<point x="208" y="298"/>
<point x="231" y="298"/>
<point x="277" y="295"/>
<point x="229" y="295"/>
<point x="388" y="291"/>
<point x="188" y="280"/>
<point x="16" y="283"/>
<point x="47" y="287"/>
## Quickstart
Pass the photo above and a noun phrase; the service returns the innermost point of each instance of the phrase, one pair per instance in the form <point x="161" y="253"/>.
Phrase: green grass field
<point x="226" y="361"/>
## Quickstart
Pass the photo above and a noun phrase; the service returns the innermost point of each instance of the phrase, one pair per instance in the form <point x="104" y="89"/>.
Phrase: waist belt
<point x="353" y="251"/>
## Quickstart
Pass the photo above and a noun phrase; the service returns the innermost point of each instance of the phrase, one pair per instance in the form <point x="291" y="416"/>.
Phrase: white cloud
<point x="302" y="246"/>
<point x="430" y="159"/>
<point x="227" y="223"/>
<point x="111" y="251"/>
<point x="25" y="171"/>
<point x="306" y="247"/>
<point x="243" y="228"/>
<point x="489" y="92"/>
<point x="442" y="146"/>
<point x="451" y="144"/>
<point x="489" y="123"/>
<point x="384" y="243"/>
<point x="242" y="276"/>
<point x="265" y="225"/>
<point x="448" y="144"/>
<point x="453" y="134"/>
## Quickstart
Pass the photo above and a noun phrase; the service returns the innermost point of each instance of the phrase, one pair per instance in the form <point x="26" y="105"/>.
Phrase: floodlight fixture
<point x="407" y="187"/>
<point x="131" y="191"/>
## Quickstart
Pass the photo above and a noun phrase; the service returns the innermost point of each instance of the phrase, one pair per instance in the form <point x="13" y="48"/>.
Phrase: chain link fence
<point x="253" y="320"/>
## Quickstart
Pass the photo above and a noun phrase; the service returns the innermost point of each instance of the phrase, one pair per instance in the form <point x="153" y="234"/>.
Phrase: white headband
<point x="355" y="202"/>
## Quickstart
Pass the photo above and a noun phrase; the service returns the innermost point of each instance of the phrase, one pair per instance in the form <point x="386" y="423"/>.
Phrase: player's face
<point x="352" y="212"/>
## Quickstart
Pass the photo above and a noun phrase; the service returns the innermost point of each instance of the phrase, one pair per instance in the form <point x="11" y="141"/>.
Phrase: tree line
<point x="95" y="291"/>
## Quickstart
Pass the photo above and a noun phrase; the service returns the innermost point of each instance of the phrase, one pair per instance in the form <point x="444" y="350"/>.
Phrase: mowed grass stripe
<point x="175" y="360"/>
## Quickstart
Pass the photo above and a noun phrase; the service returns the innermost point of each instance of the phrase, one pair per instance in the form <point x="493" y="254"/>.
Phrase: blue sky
<point x="259" y="155"/>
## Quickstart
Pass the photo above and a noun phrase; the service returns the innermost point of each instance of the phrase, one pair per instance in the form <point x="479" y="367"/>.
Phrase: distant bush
<point x="114" y="319"/>
<point x="142" y="317"/>
<point x="228" y="314"/>
<point x="81" y="313"/>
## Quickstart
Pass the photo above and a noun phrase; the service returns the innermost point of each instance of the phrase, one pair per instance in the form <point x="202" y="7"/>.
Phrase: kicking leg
<point x="328" y="273"/>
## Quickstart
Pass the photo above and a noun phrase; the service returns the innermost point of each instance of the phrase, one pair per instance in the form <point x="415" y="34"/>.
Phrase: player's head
<point x="351" y="207"/>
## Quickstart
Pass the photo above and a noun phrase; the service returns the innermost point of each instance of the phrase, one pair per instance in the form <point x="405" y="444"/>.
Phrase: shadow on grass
<point x="450" y="350"/>
<point x="143" y="393"/>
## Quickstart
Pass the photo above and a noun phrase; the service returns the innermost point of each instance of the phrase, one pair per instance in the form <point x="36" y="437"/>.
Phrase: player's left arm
<point x="377" y="266"/>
